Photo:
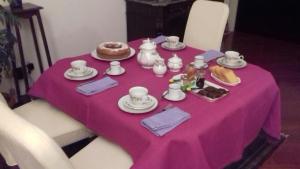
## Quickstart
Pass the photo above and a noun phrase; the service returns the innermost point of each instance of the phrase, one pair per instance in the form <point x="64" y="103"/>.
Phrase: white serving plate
<point x="79" y="78"/>
<point x="124" y="108"/>
<point x="240" y="65"/>
<point x="95" y="56"/>
<point x="225" y="83"/>
<point x="206" y="84"/>
<point x="180" y="46"/>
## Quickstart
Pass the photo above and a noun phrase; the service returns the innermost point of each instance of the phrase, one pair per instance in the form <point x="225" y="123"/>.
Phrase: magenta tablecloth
<point x="215" y="135"/>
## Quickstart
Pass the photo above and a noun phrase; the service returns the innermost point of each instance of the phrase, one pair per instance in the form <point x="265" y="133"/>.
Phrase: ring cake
<point x="113" y="50"/>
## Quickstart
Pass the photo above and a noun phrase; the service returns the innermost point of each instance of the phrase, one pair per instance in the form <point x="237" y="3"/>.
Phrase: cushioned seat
<point x="101" y="153"/>
<point x="62" y="128"/>
<point x="34" y="149"/>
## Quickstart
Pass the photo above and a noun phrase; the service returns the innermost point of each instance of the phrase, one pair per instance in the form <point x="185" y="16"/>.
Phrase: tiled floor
<point x="283" y="60"/>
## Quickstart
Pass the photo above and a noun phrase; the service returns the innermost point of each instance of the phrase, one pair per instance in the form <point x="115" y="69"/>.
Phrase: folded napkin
<point x="161" y="123"/>
<point x="159" y="39"/>
<point x="97" y="86"/>
<point x="211" y="54"/>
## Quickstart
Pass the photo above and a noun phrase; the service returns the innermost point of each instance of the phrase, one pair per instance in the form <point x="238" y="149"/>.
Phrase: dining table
<point x="214" y="136"/>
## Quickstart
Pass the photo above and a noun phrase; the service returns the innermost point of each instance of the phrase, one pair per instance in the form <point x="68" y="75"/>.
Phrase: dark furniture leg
<point x="44" y="38"/>
<point x="36" y="45"/>
<point x="13" y="63"/>
<point x="22" y="57"/>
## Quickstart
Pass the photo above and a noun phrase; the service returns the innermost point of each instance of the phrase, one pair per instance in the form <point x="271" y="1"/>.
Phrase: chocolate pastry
<point x="212" y="92"/>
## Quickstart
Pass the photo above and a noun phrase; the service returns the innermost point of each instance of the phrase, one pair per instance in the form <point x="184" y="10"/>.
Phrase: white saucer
<point x="89" y="76"/>
<point x="181" y="97"/>
<point x="134" y="111"/>
<point x="71" y="73"/>
<point x="128" y="103"/>
<point x="241" y="64"/>
<point x="115" y="74"/>
<point x="179" y="46"/>
<point x="225" y="83"/>
<point x="205" y="65"/>
<point x="95" y="55"/>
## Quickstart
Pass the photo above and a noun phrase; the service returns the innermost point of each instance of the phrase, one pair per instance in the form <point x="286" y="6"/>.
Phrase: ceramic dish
<point x="108" y="72"/>
<point x="95" y="55"/>
<point x="144" y="106"/>
<point x="71" y="73"/>
<point x="89" y="76"/>
<point x="134" y="111"/>
<point x="180" y="46"/>
<point x="205" y="65"/>
<point x="181" y="97"/>
<point x="225" y="83"/>
<point x="206" y="84"/>
<point x="241" y="64"/>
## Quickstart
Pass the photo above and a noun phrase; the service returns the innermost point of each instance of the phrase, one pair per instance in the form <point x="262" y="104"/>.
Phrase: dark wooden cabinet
<point x="150" y="18"/>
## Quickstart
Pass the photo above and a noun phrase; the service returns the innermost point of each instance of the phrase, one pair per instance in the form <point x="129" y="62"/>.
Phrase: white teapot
<point x="175" y="63"/>
<point x="148" y="54"/>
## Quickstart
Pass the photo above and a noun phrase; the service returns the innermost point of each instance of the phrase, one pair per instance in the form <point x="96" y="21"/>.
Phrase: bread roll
<point x="225" y="75"/>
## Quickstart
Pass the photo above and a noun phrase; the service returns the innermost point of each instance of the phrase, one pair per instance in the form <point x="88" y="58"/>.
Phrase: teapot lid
<point x="175" y="58"/>
<point x="147" y="44"/>
<point x="146" y="40"/>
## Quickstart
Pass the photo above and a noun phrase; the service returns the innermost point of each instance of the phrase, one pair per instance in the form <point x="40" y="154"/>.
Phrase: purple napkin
<point x="97" y="86"/>
<point x="159" y="39"/>
<point x="211" y="54"/>
<point x="161" y="123"/>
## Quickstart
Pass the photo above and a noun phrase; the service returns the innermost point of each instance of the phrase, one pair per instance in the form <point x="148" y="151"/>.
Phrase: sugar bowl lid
<point x="175" y="59"/>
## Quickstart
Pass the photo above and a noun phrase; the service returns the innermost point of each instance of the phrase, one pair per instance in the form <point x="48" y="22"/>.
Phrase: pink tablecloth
<point x="215" y="135"/>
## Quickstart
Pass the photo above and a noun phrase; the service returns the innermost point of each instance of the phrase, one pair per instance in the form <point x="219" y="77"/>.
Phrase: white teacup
<point x="138" y="95"/>
<point x="174" y="91"/>
<point x="199" y="61"/>
<point x="115" y="67"/>
<point x="233" y="57"/>
<point x="172" y="41"/>
<point x="79" y="66"/>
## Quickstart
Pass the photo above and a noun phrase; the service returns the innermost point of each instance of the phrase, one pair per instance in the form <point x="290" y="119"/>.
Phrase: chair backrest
<point x="2" y="99"/>
<point x="206" y="24"/>
<point x="30" y="146"/>
<point x="3" y="150"/>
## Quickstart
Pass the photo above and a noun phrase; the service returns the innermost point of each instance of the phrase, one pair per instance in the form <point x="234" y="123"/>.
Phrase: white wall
<point x="233" y="6"/>
<point x="74" y="27"/>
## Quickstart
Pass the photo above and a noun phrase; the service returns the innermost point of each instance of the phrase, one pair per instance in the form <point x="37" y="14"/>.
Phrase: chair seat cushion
<point x="61" y="127"/>
<point x="101" y="154"/>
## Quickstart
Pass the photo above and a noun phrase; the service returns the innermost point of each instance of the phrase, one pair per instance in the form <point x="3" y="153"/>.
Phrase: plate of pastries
<point x="112" y="51"/>
<point x="224" y="76"/>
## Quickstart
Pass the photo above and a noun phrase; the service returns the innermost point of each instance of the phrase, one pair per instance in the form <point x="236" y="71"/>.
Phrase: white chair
<point x="206" y="24"/>
<point x="2" y="99"/>
<point x="33" y="149"/>
<point x="62" y="128"/>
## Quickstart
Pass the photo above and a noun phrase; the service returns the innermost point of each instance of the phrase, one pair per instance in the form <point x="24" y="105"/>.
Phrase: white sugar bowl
<point x="175" y="63"/>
